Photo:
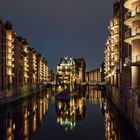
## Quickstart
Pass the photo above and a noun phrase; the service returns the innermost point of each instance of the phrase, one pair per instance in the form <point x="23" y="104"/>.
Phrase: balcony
<point x="114" y="24"/>
<point x="116" y="52"/>
<point x="128" y="3"/>
<point x="130" y="18"/>
<point x="115" y="41"/>
<point x="114" y="34"/>
<point x="131" y="36"/>
<point x="9" y="57"/>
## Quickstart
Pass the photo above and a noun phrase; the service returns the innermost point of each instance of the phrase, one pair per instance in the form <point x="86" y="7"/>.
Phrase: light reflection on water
<point x="84" y="116"/>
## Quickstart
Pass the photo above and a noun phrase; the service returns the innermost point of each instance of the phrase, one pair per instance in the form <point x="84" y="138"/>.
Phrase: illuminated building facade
<point x="123" y="84"/>
<point x="80" y="66"/>
<point x="21" y="67"/>
<point x="112" y="50"/>
<point x="6" y="57"/>
<point x="25" y="62"/>
<point x="45" y="71"/>
<point x="9" y="54"/>
<point x="96" y="75"/>
<point x="33" y="66"/>
<point x="42" y="70"/>
<point x="132" y="38"/>
<point x="66" y="71"/>
<point x="132" y="61"/>
<point x="18" y="72"/>
<point x="31" y="69"/>
<point x="70" y="71"/>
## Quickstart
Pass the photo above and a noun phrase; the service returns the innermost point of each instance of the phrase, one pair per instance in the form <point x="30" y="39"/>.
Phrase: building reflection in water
<point x="21" y="120"/>
<point x="116" y="127"/>
<point x="69" y="111"/>
<point x="10" y="128"/>
<point x="93" y="95"/>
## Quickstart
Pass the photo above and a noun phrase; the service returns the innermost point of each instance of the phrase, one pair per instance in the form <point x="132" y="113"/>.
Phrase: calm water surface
<point x="84" y="116"/>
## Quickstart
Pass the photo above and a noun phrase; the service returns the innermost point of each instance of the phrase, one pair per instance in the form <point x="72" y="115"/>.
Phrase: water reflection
<point x="23" y="120"/>
<point x="70" y="111"/>
<point x="116" y="127"/>
<point x="94" y="96"/>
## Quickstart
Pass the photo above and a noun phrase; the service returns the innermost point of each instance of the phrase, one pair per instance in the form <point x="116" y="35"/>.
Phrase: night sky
<point x="57" y="28"/>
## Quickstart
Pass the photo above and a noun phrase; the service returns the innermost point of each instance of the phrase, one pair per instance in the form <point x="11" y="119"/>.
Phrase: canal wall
<point x="12" y="95"/>
<point x="127" y="103"/>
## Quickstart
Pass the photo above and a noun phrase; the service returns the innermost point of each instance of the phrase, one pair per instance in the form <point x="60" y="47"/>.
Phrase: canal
<point x="85" y="115"/>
